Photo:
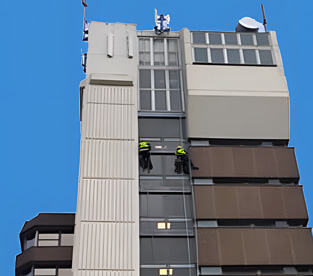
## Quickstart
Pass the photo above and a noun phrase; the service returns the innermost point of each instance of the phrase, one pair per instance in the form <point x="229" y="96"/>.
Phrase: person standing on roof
<point x="144" y="156"/>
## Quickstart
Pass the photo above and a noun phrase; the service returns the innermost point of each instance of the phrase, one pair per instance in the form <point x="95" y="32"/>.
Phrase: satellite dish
<point x="248" y="24"/>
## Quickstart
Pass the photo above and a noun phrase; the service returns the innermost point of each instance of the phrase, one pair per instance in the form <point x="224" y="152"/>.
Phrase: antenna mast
<point x="264" y="18"/>
<point x="85" y="24"/>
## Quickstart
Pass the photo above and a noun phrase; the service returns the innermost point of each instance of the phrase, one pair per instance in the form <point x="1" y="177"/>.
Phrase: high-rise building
<point x="239" y="210"/>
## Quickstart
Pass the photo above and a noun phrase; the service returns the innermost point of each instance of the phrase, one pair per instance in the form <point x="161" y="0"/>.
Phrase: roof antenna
<point x="264" y="18"/>
<point x="161" y="23"/>
<point x="86" y="24"/>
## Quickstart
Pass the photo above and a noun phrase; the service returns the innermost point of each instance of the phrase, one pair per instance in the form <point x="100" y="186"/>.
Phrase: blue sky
<point x="40" y="74"/>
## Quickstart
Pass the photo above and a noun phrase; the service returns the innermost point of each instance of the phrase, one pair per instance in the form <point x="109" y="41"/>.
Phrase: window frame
<point x="167" y="68"/>
<point x="237" y="46"/>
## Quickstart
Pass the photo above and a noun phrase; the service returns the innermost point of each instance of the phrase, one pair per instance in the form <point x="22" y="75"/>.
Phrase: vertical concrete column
<point x="107" y="218"/>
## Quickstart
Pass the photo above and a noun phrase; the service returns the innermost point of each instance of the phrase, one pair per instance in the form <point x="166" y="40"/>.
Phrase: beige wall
<point x="107" y="219"/>
<point x="236" y="102"/>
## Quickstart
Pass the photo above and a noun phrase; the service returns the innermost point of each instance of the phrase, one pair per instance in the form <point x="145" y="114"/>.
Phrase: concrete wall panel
<point x="220" y="79"/>
<point x="238" y="117"/>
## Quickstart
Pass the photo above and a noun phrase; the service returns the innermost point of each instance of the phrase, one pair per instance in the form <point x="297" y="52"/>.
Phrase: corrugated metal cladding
<point x="107" y="219"/>
<point x="107" y="200"/>
<point x="107" y="108"/>
<point x="109" y="159"/>
<point x="231" y="246"/>
<point x="245" y="162"/>
<point x="111" y="95"/>
<point x="256" y="202"/>
<point x="107" y="246"/>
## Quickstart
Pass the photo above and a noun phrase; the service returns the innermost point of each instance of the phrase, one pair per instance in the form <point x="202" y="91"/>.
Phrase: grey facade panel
<point x="173" y="228"/>
<point x="163" y="183"/>
<point x="190" y="271"/>
<point x="165" y="206"/>
<point x="163" y="250"/>
<point x="244" y="162"/>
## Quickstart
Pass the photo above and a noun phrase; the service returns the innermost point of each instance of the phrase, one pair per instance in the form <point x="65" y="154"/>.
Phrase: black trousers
<point x="145" y="160"/>
<point x="182" y="164"/>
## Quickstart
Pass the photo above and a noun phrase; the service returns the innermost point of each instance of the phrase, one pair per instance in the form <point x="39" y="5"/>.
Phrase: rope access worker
<point x="144" y="156"/>
<point x="182" y="161"/>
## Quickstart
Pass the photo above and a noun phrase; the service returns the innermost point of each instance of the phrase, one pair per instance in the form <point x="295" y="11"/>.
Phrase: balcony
<point x="245" y="163"/>
<point x="255" y="247"/>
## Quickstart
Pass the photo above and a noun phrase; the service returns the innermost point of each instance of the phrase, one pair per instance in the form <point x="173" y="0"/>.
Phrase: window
<point x="166" y="271"/>
<point x="164" y="250"/>
<point x="48" y="239"/>
<point x="249" y="56"/>
<point x="144" y="51"/>
<point x="55" y="239"/>
<point x="232" y="48"/>
<point x="165" y="206"/>
<point x="159" y="75"/>
<point x="231" y="39"/>
<point x="215" y="38"/>
<point x="30" y="241"/>
<point x="233" y="56"/>
<point x="67" y="239"/>
<point x="44" y="272"/>
<point x="199" y="38"/>
<point x="201" y="54"/>
<point x="217" y="55"/>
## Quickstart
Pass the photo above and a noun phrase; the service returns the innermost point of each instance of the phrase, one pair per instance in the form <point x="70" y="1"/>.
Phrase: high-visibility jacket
<point x="180" y="151"/>
<point x="144" y="146"/>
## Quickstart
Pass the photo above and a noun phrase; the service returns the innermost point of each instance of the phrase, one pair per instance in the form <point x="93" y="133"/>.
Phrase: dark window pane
<point x="159" y="79"/>
<point x="159" y="127"/>
<point x="144" y="45"/>
<point x="176" y="271"/>
<point x="215" y="39"/>
<point x="173" y="59"/>
<point x="262" y="39"/>
<point x="233" y="56"/>
<point x="201" y="55"/>
<point x="164" y="205"/>
<point x="163" y="250"/>
<point x="175" y="96"/>
<point x="145" y="100"/>
<point x="266" y="57"/>
<point x="174" y="79"/>
<point x="158" y="45"/>
<point x="246" y="39"/>
<point x="159" y="59"/>
<point x="159" y="52"/>
<point x="160" y="100"/>
<point x="144" y="58"/>
<point x="198" y="38"/>
<point x="231" y="39"/>
<point x="145" y="78"/>
<point x="172" y="45"/>
<point x="249" y="56"/>
<point x="217" y="56"/>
